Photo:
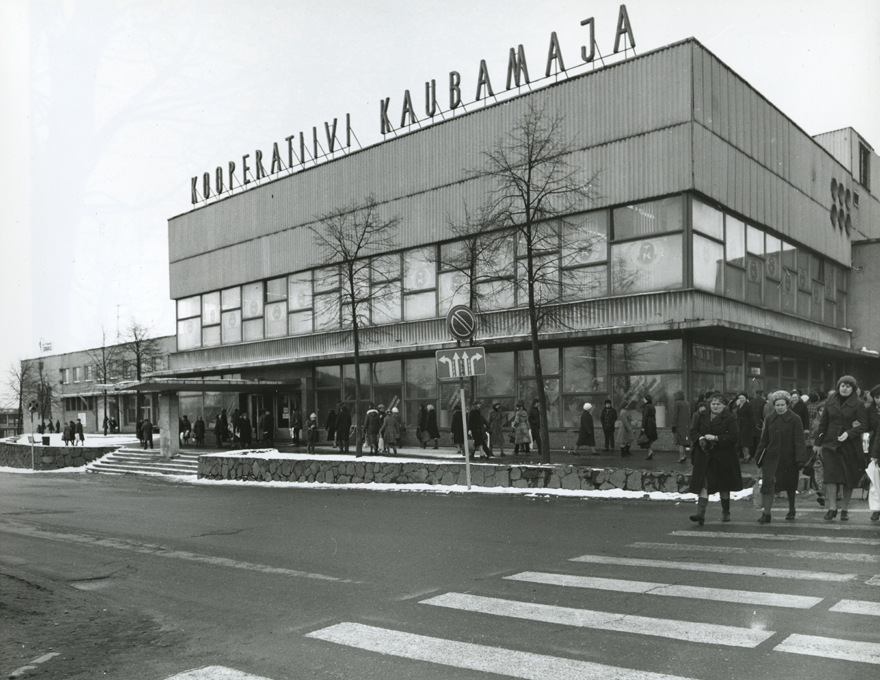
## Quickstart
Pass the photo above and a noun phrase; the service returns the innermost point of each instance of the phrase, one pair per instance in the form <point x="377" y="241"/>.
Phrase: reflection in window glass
<point x="653" y="217"/>
<point x="211" y="336"/>
<point x="545" y="239"/>
<point x="789" y="256"/>
<point x="584" y="283"/>
<point x="584" y="368"/>
<point x="230" y="298"/>
<point x="252" y="329"/>
<point x="421" y="378"/>
<point x="754" y="280"/>
<point x="453" y="290"/>
<point x="299" y="323"/>
<point x="188" y="307"/>
<point x="189" y="334"/>
<point x="499" y="375"/>
<point x="734" y="374"/>
<point x="585" y="238"/>
<point x="708" y="220"/>
<point x="648" y="265"/>
<point x="419" y="269"/>
<point x="804" y="270"/>
<point x="497" y="294"/>
<point x="754" y="240"/>
<point x="326" y="279"/>
<point x="276" y="290"/>
<point x="545" y="271"/>
<point x="211" y="308"/>
<point x="549" y="362"/>
<point x="386" y="267"/>
<point x="420" y="306"/>
<point x="773" y="257"/>
<point x="252" y="300"/>
<point x="327" y="376"/>
<point x="707" y="358"/>
<point x="652" y="355"/>
<point x="386" y="372"/>
<point x="573" y="408"/>
<point x="386" y="305"/>
<point x="276" y="319"/>
<point x="326" y="312"/>
<point x="348" y="373"/>
<point x="630" y="390"/>
<point x="734" y="282"/>
<point x="453" y="256"/>
<point x="300" y="290"/>
<point x="708" y="265"/>
<point x="706" y="383"/>
<point x="497" y="260"/>
<point x="528" y="392"/>
<point x="736" y="241"/>
<point x="231" y="326"/>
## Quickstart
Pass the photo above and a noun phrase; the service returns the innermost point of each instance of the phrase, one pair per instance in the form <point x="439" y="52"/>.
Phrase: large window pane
<point x="327" y="312"/>
<point x="276" y="290"/>
<point x="453" y="291"/>
<point x="299" y="323"/>
<point x="252" y="329"/>
<point x="705" y="383"/>
<point x="188" y="307"/>
<point x="528" y="392"/>
<point x="545" y="273"/>
<point x="653" y="217"/>
<point x="774" y="257"/>
<point x="419" y="269"/>
<point x="211" y="308"/>
<point x="385" y="372"/>
<point x="496" y="259"/>
<point x="327" y="376"/>
<point x="707" y="358"/>
<point x="648" y="265"/>
<point x="789" y="291"/>
<point x="708" y="220"/>
<point x="230" y="298"/>
<point x="754" y="280"/>
<point x="754" y="240"/>
<point x="231" y="326"/>
<point x="499" y="378"/>
<point x="276" y="319"/>
<point x="789" y="256"/>
<point x="734" y="282"/>
<point x="652" y="355"/>
<point x="708" y="265"/>
<point x="386" y="304"/>
<point x="421" y="378"/>
<point x="326" y="279"/>
<point x="573" y="408"/>
<point x="497" y="294"/>
<point x="631" y="389"/>
<point x="386" y="268"/>
<point x="299" y="291"/>
<point x="734" y="372"/>
<point x="420" y="306"/>
<point x="211" y="336"/>
<point x="736" y="241"/>
<point x="549" y="362"/>
<point x="252" y="300"/>
<point x="804" y="270"/>
<point x="585" y="238"/>
<point x="189" y="334"/>
<point x="584" y="283"/>
<point x="584" y="368"/>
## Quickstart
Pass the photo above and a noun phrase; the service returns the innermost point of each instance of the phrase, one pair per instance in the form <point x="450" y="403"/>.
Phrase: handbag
<point x="643" y="441"/>
<point x="512" y="439"/>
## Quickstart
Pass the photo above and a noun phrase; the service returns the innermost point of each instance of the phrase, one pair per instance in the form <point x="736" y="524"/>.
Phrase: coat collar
<point x="788" y="415"/>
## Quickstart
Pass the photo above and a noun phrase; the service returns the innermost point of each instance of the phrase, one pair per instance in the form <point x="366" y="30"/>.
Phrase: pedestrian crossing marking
<point x="777" y="537"/>
<point x="707" y="633"/>
<point x="498" y="660"/>
<point x="717" y="568"/>
<point x="873" y="581"/>
<point x="857" y="607"/>
<point x="215" y="673"/>
<point x="831" y="648"/>
<point x="801" y="524"/>
<point x="776" y="552"/>
<point x="647" y="588"/>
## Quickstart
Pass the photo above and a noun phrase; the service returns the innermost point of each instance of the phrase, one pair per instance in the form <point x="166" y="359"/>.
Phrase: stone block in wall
<point x="502" y="477"/>
<point x="515" y="474"/>
<point x="447" y="479"/>
<point x="520" y="484"/>
<point x="571" y="481"/>
<point x="554" y="482"/>
<point x="634" y="481"/>
<point x="617" y="479"/>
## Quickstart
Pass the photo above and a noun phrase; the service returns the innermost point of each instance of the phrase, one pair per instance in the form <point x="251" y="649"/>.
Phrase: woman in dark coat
<point x="587" y="432"/>
<point x="782" y="453"/>
<point x="873" y="416"/>
<point x="496" y="428"/>
<point x="457" y="429"/>
<point x="716" y="464"/>
<point x="649" y="424"/>
<point x="746" y="419"/>
<point x="343" y="428"/>
<point x="431" y="425"/>
<point x="330" y="425"/>
<point x="840" y="438"/>
<point x="199" y="429"/>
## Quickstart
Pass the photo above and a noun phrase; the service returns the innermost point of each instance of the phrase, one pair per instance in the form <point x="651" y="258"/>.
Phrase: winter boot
<point x="700" y="517"/>
<point x="725" y="509"/>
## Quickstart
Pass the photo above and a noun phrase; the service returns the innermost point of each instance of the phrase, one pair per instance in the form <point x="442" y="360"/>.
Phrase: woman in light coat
<point x="496" y="428"/>
<point x="623" y="434"/>
<point x="781" y="452"/>
<point x="522" y="439"/>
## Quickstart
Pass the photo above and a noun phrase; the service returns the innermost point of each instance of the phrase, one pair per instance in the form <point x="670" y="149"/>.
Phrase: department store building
<point x="722" y="238"/>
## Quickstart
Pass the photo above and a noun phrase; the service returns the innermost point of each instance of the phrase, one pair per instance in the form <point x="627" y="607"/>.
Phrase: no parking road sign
<point x="463" y="362"/>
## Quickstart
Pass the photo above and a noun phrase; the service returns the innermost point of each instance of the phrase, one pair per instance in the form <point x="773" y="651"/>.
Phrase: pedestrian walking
<point x="477" y="429"/>
<point x="311" y="433"/>
<point x="457" y="429"/>
<point x="138" y="430"/>
<point x="186" y="430"/>
<point x="330" y="425"/>
<point x="716" y="462"/>
<point x="295" y="427"/>
<point x="389" y="430"/>
<point x="58" y="426"/>
<point x="681" y="424"/>
<point x="199" y="431"/>
<point x="701" y="408"/>
<point x="343" y="428"/>
<point x="781" y="454"/>
<point x="431" y="425"/>
<point x="624" y="431"/>
<point x="521" y="438"/>
<point x="371" y="429"/>
<point x="586" y="432"/>
<point x="218" y="430"/>
<point x="268" y="428"/>
<point x="496" y="428"/>
<point x="245" y="431"/>
<point x="608" y="419"/>
<point x="66" y="435"/>
<point x="649" y="424"/>
<point x="80" y="434"/>
<point x="798" y="406"/>
<point x="147" y="429"/>
<point x="757" y="403"/>
<point x="745" y="420"/>
<point x="843" y="422"/>
<point x="535" y="425"/>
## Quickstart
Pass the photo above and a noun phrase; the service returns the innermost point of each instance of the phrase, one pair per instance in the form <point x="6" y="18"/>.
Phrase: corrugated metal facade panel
<point x="626" y="99"/>
<point x="609" y="317"/>
<point x="839" y="144"/>
<point x="638" y="167"/>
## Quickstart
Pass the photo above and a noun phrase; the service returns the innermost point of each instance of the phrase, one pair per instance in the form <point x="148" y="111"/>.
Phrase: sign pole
<point x="33" y="464"/>
<point x="467" y="456"/>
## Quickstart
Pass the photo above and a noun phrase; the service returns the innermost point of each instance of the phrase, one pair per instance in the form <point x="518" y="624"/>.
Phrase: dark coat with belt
<point x="649" y="422"/>
<point x="343" y="423"/>
<point x="746" y="418"/>
<point x="718" y="467"/>
<point x="783" y="447"/>
<point x="431" y="424"/>
<point x="587" y="433"/>
<point x="844" y="461"/>
<point x="476" y="426"/>
<point x="457" y="428"/>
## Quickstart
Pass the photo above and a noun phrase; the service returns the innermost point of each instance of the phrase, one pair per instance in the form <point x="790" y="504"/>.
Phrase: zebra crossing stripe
<point x="873" y="581"/>
<point x="778" y="537"/>
<point x="831" y="648"/>
<point x="707" y="633"/>
<point x="776" y="552"/>
<point x="498" y="660"/>
<point x="717" y="568"/>
<point x="215" y="673"/>
<point x="646" y="588"/>
<point x="857" y="607"/>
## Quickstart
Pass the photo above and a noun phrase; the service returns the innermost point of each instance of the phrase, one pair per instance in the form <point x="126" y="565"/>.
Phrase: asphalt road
<point x="305" y="583"/>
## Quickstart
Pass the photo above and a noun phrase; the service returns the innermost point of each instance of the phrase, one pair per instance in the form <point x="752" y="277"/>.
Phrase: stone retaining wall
<point x="446" y="474"/>
<point x="50" y="457"/>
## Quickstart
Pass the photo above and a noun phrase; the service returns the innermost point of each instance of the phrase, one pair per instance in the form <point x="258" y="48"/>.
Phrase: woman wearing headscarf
<point x="716" y="463"/>
<point x="624" y="432"/>
<point x="843" y="422"/>
<point x="587" y="431"/>
<point x="521" y="439"/>
<point x="781" y="453"/>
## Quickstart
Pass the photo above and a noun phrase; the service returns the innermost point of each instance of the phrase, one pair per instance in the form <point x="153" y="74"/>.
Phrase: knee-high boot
<point x="725" y="509"/>
<point x="700" y="517"/>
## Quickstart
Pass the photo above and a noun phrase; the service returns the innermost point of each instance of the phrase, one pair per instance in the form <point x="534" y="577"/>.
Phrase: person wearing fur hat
<point x="843" y="422"/>
<point x="587" y="431"/>
<point x="389" y="430"/>
<point x="781" y="454"/>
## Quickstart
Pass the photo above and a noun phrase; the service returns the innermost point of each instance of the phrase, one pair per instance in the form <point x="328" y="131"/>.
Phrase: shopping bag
<point x="381" y="443"/>
<point x="873" y="473"/>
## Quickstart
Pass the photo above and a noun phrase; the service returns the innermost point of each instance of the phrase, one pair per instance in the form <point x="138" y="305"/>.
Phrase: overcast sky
<point x="108" y="109"/>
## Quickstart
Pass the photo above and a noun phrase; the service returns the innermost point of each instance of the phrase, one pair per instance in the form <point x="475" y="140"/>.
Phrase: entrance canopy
<point x="161" y="385"/>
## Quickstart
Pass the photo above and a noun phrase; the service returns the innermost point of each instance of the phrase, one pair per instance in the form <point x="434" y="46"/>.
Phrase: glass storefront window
<point x="421" y="378"/>
<point x="211" y="336"/>
<point x="754" y="373"/>
<point x="230" y="298"/>
<point x="630" y="390"/>
<point x="706" y="383"/>
<point x="327" y="376"/>
<point x="252" y="300"/>
<point x="585" y="238"/>
<point x="419" y="269"/>
<point x="707" y="358"/>
<point x="736" y="241"/>
<point x="584" y="368"/>
<point x="789" y="256"/>
<point x="386" y="268"/>
<point x="211" y="308"/>
<point x="754" y="240"/>
<point x="774" y="257"/>
<point x="652" y="217"/>
<point x="420" y="306"/>
<point x="497" y="294"/>
<point x="386" y="303"/>
<point x="528" y="392"/>
<point x="648" y="265"/>
<point x="276" y="290"/>
<point x="189" y="334"/>
<point x="754" y="280"/>
<point x="499" y="378"/>
<point x="549" y="362"/>
<point x="573" y="407"/>
<point x="326" y="311"/>
<point x="299" y="290"/>
<point x="453" y="256"/>
<point x="708" y="220"/>
<point x="734" y="375"/>
<point x="452" y="291"/>
<point x="188" y="307"/>
<point x="386" y="372"/>
<point x="276" y="319"/>
<point x="252" y="329"/>
<point x="299" y="323"/>
<point x="348" y="373"/>
<point x="771" y="371"/>
<point x="653" y="355"/>
<point x="708" y="265"/>
<point x="584" y="283"/>
<point x="231" y="332"/>
<point x="326" y="279"/>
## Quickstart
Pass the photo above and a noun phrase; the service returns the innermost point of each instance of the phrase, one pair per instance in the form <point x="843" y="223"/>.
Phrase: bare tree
<point x="534" y="184"/>
<point x="21" y="379"/>
<point x="141" y="347"/>
<point x="353" y="241"/>
<point x="105" y="361"/>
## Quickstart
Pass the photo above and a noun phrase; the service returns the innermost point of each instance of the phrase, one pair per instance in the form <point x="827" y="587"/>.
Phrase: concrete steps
<point x="134" y="461"/>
